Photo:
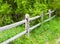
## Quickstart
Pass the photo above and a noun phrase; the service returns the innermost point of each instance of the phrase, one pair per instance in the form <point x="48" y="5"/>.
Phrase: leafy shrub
<point x="25" y="6"/>
<point x="5" y="12"/>
<point x="15" y="10"/>
<point x="22" y="6"/>
<point x="5" y="9"/>
<point x="55" y="5"/>
<point x="11" y="11"/>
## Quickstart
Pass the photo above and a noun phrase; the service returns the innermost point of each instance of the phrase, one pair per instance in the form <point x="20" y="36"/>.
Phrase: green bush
<point x="54" y="5"/>
<point x="5" y="12"/>
<point x="15" y="10"/>
<point x="5" y="9"/>
<point x="11" y="11"/>
<point x="25" y="6"/>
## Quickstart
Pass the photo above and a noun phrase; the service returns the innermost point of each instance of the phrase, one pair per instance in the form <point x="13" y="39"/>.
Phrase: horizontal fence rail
<point x="35" y="18"/>
<point x="27" y="27"/>
<point x="12" y="25"/>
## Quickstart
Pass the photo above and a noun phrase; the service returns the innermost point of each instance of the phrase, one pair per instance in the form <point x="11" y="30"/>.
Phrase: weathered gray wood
<point x="35" y="26"/>
<point x="52" y="11"/>
<point x="12" y="25"/>
<point x="33" y="18"/>
<point x="49" y="13"/>
<point x="27" y="23"/>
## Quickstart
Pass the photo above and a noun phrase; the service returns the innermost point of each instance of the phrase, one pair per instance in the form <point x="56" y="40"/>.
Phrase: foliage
<point x="25" y="6"/>
<point x="5" y="9"/>
<point x="5" y="12"/>
<point x="16" y="9"/>
<point x="54" y="4"/>
<point x="0" y="1"/>
<point x="12" y="9"/>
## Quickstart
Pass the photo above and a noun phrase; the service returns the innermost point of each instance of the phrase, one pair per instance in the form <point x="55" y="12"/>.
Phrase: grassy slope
<point x="46" y="32"/>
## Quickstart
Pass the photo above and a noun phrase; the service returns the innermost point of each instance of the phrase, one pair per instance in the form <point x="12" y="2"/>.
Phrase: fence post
<point x="42" y="16"/>
<point x="27" y="23"/>
<point x="55" y="12"/>
<point x="49" y="11"/>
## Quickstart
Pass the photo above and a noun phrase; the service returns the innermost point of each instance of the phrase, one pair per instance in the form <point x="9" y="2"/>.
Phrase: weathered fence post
<point x="49" y="11"/>
<point x="42" y="16"/>
<point x="27" y="23"/>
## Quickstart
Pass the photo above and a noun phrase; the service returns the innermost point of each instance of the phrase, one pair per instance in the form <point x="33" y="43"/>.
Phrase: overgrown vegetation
<point x="13" y="11"/>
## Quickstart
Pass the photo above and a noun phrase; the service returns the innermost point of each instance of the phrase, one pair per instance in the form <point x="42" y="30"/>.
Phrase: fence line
<point x="27" y="27"/>
<point x="20" y="22"/>
<point x="24" y="32"/>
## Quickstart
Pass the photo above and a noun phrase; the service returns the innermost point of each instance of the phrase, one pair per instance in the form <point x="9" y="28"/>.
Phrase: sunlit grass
<point x="10" y="32"/>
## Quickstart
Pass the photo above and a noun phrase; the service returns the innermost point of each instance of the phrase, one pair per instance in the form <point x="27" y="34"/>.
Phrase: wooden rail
<point x="12" y="25"/>
<point x="27" y="27"/>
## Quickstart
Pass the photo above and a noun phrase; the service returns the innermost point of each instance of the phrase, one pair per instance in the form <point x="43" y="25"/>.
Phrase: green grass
<point x="48" y="31"/>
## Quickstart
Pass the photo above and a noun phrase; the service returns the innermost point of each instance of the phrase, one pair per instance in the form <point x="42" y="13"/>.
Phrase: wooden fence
<point x="27" y="27"/>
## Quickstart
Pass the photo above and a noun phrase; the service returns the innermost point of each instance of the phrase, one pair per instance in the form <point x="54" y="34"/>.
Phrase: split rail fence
<point x="27" y="27"/>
